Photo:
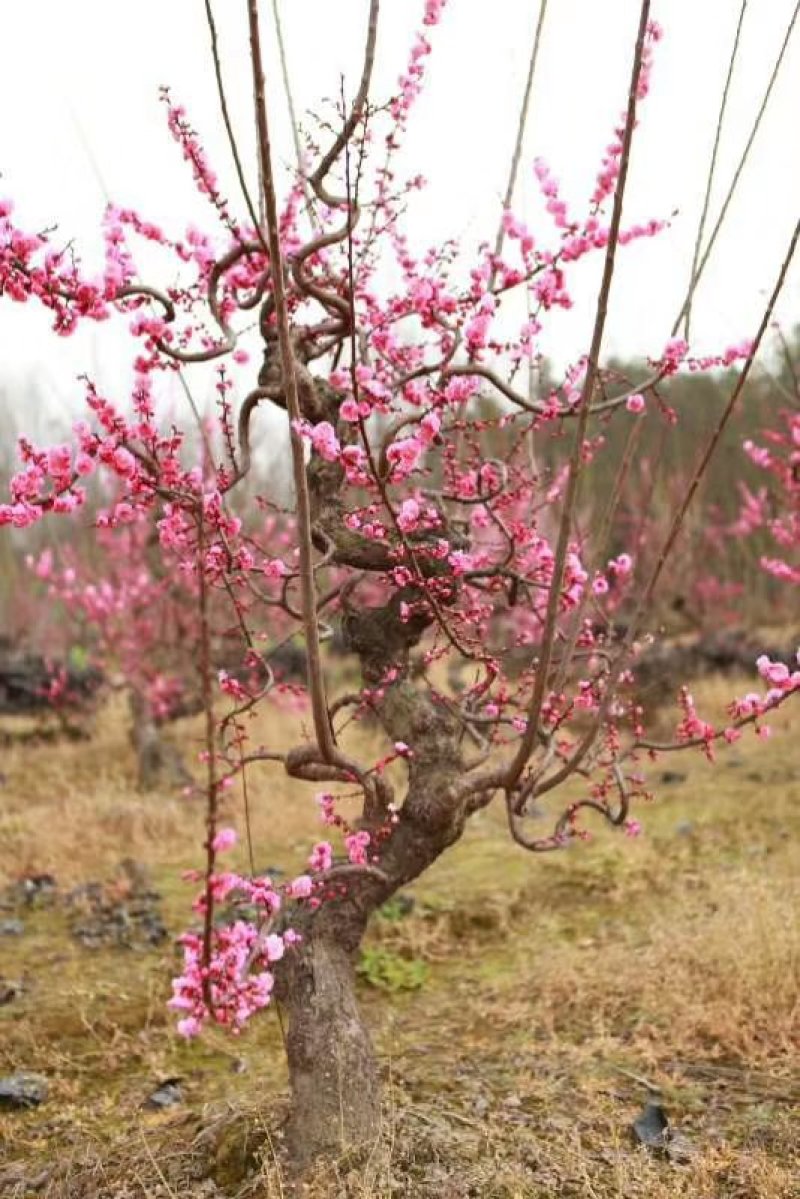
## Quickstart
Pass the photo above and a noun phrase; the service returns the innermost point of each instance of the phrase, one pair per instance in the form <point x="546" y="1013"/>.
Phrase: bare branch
<point x="647" y="592"/>
<point x="316" y="686"/>
<point x="584" y="408"/>
<point x="523" y="117"/>
<point x="287" y="87"/>
<point x="738" y="172"/>
<point x="212" y="28"/>
<point x="711" y="168"/>
<point x="317" y="180"/>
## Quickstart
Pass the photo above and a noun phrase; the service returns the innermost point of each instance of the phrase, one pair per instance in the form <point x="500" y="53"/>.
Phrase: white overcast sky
<point x="81" y="120"/>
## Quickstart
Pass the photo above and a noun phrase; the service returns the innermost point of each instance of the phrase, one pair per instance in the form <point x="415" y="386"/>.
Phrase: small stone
<point x="672" y="776"/>
<point x="652" y="1129"/>
<point x="37" y="889"/>
<point x="10" y="988"/>
<point x="11" y="928"/>
<point x="167" y="1094"/>
<point x="19" y="1091"/>
<point x="680" y="1149"/>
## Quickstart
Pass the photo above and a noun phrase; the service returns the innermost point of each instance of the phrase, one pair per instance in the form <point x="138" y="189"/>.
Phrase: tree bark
<point x="335" y="1082"/>
<point x="333" y="1071"/>
<point x="158" y="763"/>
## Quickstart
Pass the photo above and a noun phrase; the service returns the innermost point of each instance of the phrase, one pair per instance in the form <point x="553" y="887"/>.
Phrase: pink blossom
<point x="404" y="455"/>
<point x="273" y="947"/>
<point x="225" y="839"/>
<point x="321" y="857"/>
<point x="189" y="1027"/>
<point x="776" y="673"/>
<point x="275" y="568"/>
<point x="408" y="516"/>
<point x="674" y="353"/>
<point x="433" y="11"/>
<point x="621" y="565"/>
<point x="461" y="562"/>
<point x="429" y="427"/>
<point x="324" y="440"/>
<point x="357" y="845"/>
<point x="300" y="887"/>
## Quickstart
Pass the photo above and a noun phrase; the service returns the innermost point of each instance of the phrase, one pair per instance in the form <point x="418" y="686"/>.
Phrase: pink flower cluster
<point x="411" y="81"/>
<point x="782" y="682"/>
<point x="236" y="982"/>
<point x="30" y="268"/>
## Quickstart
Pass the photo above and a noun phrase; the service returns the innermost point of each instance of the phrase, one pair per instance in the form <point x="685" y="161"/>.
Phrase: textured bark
<point x="334" y="1076"/>
<point x="335" y="1082"/>
<point x="333" y="1070"/>
<point x="158" y="762"/>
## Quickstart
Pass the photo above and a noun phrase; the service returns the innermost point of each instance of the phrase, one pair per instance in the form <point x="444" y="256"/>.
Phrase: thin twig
<point x="647" y="592"/>
<point x="529" y="738"/>
<point x="523" y="117"/>
<point x="317" y="179"/>
<point x="738" y="172"/>
<point x="712" y="167"/>
<point x="316" y="685"/>
<point x="212" y="29"/>
<point x="212" y="786"/>
<point x="287" y="87"/>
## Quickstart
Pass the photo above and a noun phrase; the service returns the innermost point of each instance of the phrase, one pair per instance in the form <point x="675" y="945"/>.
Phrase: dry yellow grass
<point x="72" y="808"/>
<point x="558" y="989"/>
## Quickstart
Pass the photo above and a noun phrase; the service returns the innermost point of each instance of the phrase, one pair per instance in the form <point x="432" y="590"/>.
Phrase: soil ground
<point x="525" y="1009"/>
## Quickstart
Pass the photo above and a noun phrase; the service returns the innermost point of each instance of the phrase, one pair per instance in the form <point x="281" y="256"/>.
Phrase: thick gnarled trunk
<point x="333" y="1070"/>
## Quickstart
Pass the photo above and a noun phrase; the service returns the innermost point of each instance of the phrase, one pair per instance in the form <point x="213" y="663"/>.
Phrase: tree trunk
<point x="333" y="1071"/>
<point x="158" y="762"/>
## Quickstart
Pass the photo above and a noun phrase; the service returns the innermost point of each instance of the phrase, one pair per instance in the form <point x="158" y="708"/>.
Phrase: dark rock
<point x="26" y="678"/>
<point x="167" y="1094"/>
<point x="679" y="1148"/>
<point x="11" y="928"/>
<point x="10" y="989"/>
<point x="19" y="1091"/>
<point x="652" y="1129"/>
<point x="669" y="777"/>
<point x="29" y="891"/>
<point x="125" y="912"/>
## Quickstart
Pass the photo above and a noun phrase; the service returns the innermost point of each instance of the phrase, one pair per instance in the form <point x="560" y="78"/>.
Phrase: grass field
<point x="525" y="1008"/>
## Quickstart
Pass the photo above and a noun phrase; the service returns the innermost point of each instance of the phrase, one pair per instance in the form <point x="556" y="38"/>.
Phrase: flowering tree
<point x="424" y="548"/>
<point x="775" y="507"/>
